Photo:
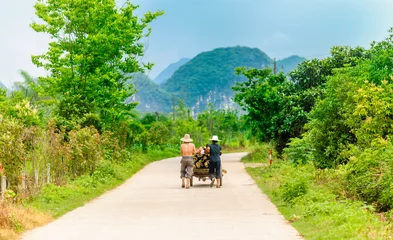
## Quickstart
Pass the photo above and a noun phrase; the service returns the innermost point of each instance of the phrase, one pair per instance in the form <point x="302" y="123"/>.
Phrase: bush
<point x="103" y="172"/>
<point x="370" y="174"/>
<point x="293" y="188"/>
<point x="85" y="150"/>
<point x="299" y="150"/>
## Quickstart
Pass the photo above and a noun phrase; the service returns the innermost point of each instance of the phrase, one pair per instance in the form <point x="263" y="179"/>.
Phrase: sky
<point x="280" y="28"/>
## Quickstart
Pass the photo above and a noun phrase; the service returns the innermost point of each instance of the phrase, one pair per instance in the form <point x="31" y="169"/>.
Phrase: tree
<point x="95" y="46"/>
<point x="261" y="97"/>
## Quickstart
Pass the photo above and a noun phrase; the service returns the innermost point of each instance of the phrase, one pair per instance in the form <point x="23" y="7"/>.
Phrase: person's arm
<point x="194" y="150"/>
<point x="181" y="150"/>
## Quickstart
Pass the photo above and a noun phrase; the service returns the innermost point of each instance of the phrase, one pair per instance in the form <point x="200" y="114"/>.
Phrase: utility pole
<point x="275" y="67"/>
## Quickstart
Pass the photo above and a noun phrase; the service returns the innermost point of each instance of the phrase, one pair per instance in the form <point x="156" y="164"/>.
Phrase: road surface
<point x="152" y="206"/>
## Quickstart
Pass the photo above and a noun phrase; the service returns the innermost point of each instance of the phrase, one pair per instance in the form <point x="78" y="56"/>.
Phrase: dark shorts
<point x="215" y="169"/>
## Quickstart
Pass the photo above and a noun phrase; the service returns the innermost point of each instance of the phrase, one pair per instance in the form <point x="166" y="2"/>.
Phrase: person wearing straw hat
<point x="215" y="161"/>
<point x="187" y="151"/>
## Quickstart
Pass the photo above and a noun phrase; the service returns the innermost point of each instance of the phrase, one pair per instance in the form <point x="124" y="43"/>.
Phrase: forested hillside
<point x="208" y="77"/>
<point x="149" y="96"/>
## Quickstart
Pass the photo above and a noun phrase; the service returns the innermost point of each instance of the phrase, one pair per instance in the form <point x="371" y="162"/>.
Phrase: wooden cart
<point x="202" y="173"/>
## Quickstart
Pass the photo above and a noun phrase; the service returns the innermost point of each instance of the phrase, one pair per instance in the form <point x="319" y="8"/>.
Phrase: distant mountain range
<point x="2" y="85"/>
<point x="207" y="78"/>
<point x="170" y="70"/>
<point x="288" y="64"/>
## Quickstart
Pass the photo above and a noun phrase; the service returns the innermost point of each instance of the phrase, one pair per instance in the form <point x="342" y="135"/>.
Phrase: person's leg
<point x="182" y="173"/>
<point x="189" y="172"/>
<point x="218" y="173"/>
<point x="211" y="172"/>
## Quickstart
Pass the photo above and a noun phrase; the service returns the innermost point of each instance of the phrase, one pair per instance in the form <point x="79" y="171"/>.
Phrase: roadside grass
<point x="58" y="200"/>
<point x="54" y="201"/>
<point x="305" y="197"/>
<point x="15" y="219"/>
<point x="237" y="146"/>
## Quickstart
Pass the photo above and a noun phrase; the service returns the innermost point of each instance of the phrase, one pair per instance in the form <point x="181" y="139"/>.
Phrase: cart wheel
<point x="191" y="181"/>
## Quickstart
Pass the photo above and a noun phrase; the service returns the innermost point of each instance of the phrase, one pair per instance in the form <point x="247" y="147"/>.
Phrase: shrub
<point x="370" y="174"/>
<point x="85" y="150"/>
<point x="299" y="150"/>
<point x="296" y="181"/>
<point x="294" y="188"/>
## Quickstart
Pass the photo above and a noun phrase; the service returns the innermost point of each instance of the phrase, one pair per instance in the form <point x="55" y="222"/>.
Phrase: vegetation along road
<point x="151" y="205"/>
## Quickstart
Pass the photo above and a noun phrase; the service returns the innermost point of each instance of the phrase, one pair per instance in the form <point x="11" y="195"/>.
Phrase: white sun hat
<point x="186" y="138"/>
<point x="215" y="138"/>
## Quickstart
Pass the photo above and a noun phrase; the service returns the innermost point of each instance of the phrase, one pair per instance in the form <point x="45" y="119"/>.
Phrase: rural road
<point x="152" y="206"/>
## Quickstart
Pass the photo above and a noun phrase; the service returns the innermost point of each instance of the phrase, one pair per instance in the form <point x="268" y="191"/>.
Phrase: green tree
<point x="261" y="97"/>
<point x="95" y="46"/>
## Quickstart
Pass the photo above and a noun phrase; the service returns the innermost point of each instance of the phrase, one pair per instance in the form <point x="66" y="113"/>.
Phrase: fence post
<point x="3" y="187"/>
<point x="271" y="157"/>
<point x="48" y="175"/>
<point x="36" y="176"/>
<point x="23" y="180"/>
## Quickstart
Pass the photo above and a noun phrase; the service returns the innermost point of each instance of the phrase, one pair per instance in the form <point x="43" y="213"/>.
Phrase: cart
<point x="202" y="174"/>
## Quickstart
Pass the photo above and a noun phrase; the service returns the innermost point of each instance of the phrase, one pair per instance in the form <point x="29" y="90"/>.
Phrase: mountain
<point x="290" y="63"/>
<point x="149" y="95"/>
<point x="2" y="85"/>
<point x="170" y="70"/>
<point x="208" y="77"/>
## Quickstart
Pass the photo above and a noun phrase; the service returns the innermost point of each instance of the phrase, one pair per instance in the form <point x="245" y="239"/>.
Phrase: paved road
<point x="152" y="206"/>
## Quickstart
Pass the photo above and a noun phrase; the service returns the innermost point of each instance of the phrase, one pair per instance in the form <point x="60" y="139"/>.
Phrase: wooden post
<point x="48" y="175"/>
<point x="3" y="187"/>
<point x="23" y="180"/>
<point x="36" y="176"/>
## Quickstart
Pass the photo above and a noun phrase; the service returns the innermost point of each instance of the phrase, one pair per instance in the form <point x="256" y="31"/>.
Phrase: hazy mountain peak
<point x="170" y="70"/>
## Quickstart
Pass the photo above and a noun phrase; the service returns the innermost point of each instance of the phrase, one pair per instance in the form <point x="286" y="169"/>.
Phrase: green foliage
<point x="224" y="123"/>
<point x="327" y="131"/>
<point x="369" y="174"/>
<point x="261" y="97"/>
<point x="352" y="112"/>
<point x="318" y="212"/>
<point x="94" y="45"/>
<point x="85" y="150"/>
<point x="299" y="151"/>
<point x="278" y="108"/>
<point x="13" y="148"/>
<point x="293" y="189"/>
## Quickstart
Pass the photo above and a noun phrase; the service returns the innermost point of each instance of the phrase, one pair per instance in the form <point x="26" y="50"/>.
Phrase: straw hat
<point x="215" y="138"/>
<point x="186" y="138"/>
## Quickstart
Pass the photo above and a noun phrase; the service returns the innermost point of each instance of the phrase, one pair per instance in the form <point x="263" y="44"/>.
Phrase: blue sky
<point x="280" y="28"/>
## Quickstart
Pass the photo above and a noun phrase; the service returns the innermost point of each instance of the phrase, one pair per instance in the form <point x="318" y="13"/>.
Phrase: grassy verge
<point x="57" y="200"/>
<point x="54" y="201"/>
<point x="307" y="198"/>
